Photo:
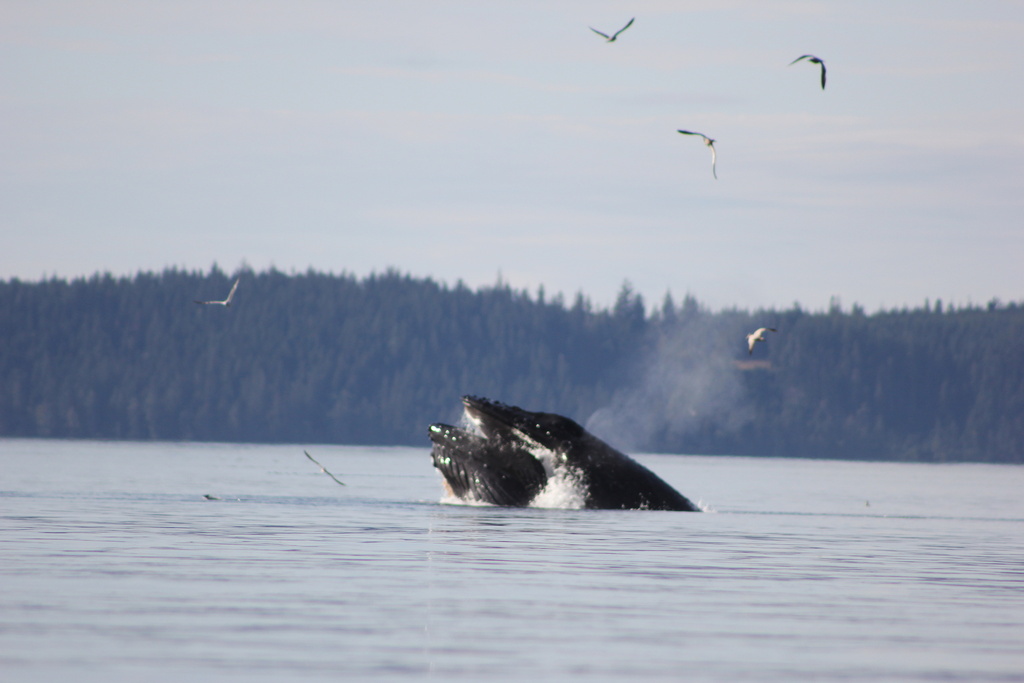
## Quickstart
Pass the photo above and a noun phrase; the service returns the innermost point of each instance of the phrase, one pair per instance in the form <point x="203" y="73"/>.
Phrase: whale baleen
<point x="518" y="451"/>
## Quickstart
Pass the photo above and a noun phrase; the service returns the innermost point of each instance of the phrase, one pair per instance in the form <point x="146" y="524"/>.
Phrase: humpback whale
<point x="518" y="451"/>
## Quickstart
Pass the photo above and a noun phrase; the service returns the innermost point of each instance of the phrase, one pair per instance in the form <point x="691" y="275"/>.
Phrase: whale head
<point x="548" y="431"/>
<point x="518" y="451"/>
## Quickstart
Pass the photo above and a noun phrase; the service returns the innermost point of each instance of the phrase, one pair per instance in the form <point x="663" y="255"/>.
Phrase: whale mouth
<point x="476" y="468"/>
<point x="495" y="420"/>
<point x="480" y="408"/>
<point x="540" y="430"/>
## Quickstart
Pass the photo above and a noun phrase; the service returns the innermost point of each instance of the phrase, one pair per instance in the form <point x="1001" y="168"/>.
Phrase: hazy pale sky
<point x="465" y="139"/>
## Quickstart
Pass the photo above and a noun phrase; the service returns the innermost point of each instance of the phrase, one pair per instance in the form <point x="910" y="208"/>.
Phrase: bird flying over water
<point x="323" y="469"/>
<point x="757" y="336"/>
<point x="813" y="60"/>
<point x="611" y="38"/>
<point x="710" y="143"/>
<point x="226" y="302"/>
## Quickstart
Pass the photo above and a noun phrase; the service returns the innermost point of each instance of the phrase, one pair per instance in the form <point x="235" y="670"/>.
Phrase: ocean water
<point x="114" y="566"/>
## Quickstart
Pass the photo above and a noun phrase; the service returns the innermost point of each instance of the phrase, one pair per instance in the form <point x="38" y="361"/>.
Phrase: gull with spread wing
<point x="813" y="60"/>
<point x="611" y="38"/>
<point x="226" y="302"/>
<point x="757" y="336"/>
<point x="710" y="143"/>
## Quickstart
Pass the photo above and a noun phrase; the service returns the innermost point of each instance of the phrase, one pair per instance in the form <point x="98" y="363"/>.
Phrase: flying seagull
<point x="710" y="143"/>
<point x="813" y="60"/>
<point x="226" y="302"/>
<point x="323" y="469"/>
<point x="611" y="39"/>
<point x="757" y="336"/>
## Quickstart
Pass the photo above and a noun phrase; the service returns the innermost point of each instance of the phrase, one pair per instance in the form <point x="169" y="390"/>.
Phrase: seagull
<point x="323" y="469"/>
<point x="757" y="336"/>
<point x="813" y="60"/>
<point x="710" y="143"/>
<point x="226" y="302"/>
<point x="611" y="39"/>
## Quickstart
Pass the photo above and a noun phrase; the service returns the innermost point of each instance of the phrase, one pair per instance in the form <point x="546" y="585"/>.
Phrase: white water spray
<point x="688" y="380"/>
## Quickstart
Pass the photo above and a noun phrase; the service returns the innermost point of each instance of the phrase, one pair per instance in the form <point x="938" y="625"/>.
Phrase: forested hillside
<point x="316" y="358"/>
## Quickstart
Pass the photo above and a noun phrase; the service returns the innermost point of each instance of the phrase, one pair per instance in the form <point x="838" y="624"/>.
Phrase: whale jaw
<point x="490" y="471"/>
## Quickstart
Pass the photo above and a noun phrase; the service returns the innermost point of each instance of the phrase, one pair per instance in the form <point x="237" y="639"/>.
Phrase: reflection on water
<point x="117" y="567"/>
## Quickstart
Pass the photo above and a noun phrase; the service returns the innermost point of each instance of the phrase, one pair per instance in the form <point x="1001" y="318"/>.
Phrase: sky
<point x="504" y="140"/>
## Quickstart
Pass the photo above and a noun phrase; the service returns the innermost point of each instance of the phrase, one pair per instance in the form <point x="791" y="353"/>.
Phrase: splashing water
<point x="563" y="491"/>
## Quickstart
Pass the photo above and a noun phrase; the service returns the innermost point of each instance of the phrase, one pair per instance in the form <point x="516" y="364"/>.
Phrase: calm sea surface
<point x="115" y="567"/>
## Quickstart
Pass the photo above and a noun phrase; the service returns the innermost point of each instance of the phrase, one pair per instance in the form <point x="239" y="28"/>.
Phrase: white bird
<point x="226" y="302"/>
<point x="710" y="143"/>
<point x="323" y="469"/>
<point x="611" y="38"/>
<point x="757" y="336"/>
<point x="813" y="60"/>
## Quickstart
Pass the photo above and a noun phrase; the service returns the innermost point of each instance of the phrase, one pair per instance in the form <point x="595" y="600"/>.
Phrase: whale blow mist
<point x="684" y="384"/>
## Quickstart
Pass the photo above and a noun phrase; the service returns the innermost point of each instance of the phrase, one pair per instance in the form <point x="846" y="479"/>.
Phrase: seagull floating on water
<point x="611" y="38"/>
<point x="757" y="336"/>
<point x="813" y="60"/>
<point x="710" y="143"/>
<point x="226" y="302"/>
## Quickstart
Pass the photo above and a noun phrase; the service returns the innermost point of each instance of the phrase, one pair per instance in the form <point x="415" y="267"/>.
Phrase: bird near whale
<point x="518" y="452"/>
<point x="225" y="302"/>
<point x="757" y="336"/>
<point x="711" y="145"/>
<point x="322" y="468"/>
<point x="611" y="38"/>
<point x="813" y="60"/>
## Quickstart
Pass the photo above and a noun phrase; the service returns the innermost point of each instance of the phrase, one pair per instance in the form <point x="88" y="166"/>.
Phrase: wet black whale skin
<point x="499" y="467"/>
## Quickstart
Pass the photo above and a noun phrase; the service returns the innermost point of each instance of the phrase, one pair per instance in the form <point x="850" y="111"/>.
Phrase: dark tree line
<point x="318" y="358"/>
